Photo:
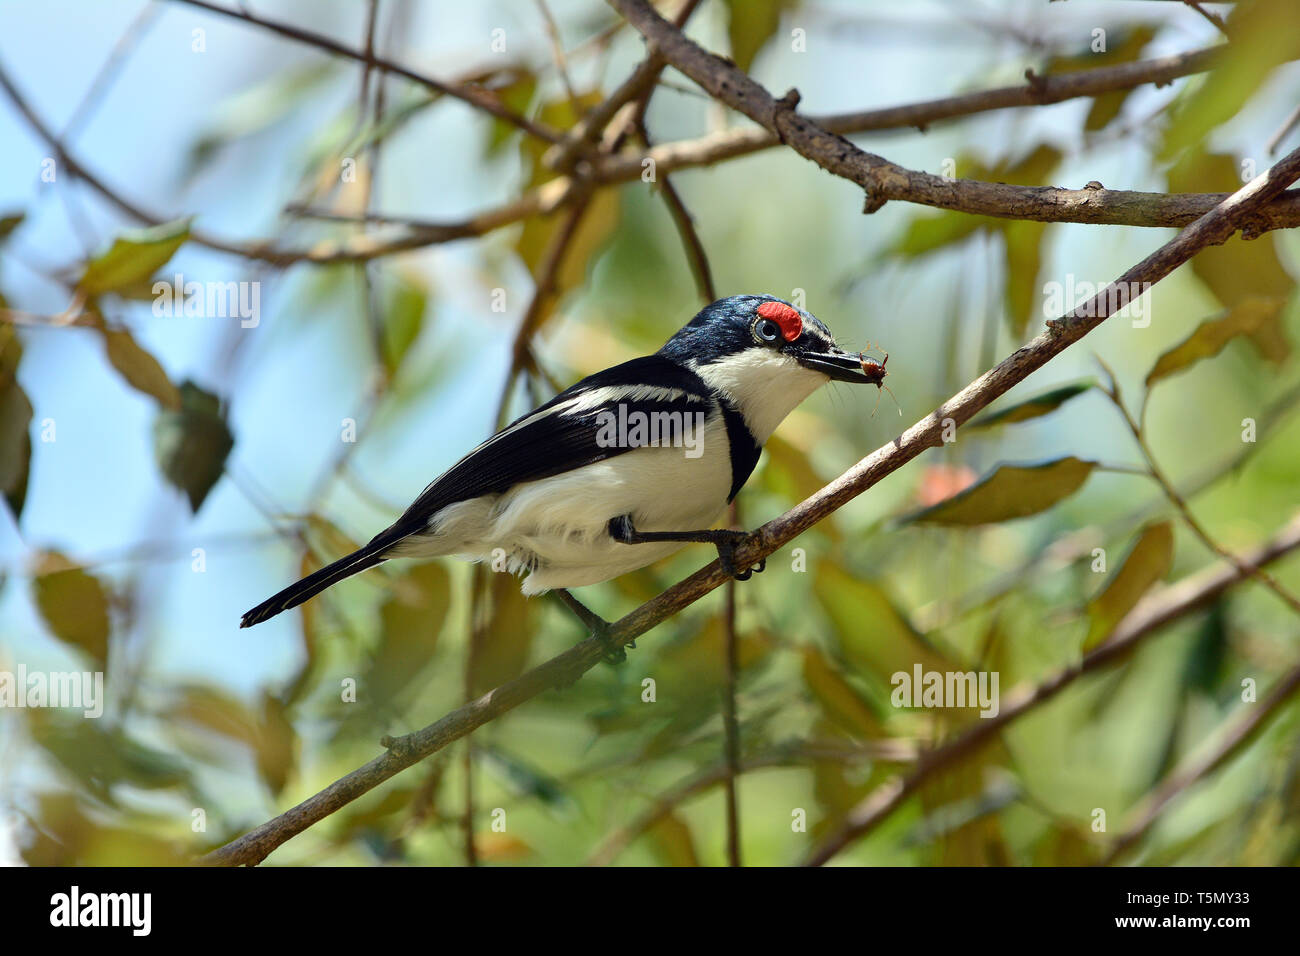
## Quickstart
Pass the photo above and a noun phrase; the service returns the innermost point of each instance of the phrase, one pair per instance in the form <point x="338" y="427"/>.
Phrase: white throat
<point x="764" y="385"/>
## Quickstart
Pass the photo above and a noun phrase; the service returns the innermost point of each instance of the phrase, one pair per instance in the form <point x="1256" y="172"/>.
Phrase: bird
<point x="624" y="467"/>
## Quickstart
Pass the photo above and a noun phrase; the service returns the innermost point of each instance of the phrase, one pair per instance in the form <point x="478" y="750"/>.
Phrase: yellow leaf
<point x="672" y="839"/>
<point x="1011" y="491"/>
<point x="839" y="701"/>
<point x="73" y="603"/>
<point x="1257" y="319"/>
<point x="1147" y="562"/>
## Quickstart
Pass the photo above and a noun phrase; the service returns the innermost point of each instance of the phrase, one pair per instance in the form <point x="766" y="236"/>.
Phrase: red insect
<point x="876" y="372"/>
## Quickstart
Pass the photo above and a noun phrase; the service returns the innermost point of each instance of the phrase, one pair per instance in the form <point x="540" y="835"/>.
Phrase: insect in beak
<point x="875" y="373"/>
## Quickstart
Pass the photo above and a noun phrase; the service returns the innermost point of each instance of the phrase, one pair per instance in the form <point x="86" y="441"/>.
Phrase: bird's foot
<point x="614" y="650"/>
<point x="727" y="556"/>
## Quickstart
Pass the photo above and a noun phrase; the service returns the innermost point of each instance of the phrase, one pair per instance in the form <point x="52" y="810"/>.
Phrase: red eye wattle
<point x="785" y="317"/>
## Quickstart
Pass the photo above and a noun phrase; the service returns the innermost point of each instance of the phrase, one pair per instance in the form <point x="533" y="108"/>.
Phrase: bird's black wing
<point x="549" y="441"/>
<point x="555" y="438"/>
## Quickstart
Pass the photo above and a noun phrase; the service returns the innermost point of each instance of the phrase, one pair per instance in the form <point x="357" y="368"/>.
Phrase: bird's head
<point x="765" y="356"/>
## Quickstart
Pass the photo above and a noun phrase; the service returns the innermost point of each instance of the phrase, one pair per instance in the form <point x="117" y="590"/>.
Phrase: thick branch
<point x="881" y="179"/>
<point x="1045" y="204"/>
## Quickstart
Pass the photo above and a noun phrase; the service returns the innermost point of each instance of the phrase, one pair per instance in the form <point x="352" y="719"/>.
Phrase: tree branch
<point x="1214" y="227"/>
<point x="636" y="88"/>
<point x="477" y="97"/>
<point x="1044" y="204"/>
<point x="881" y="179"/>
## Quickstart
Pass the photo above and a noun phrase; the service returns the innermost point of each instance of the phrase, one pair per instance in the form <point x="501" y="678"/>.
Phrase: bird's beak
<point x="844" y="366"/>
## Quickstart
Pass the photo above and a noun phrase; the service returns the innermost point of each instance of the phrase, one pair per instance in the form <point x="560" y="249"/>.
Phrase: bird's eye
<point x="765" y="330"/>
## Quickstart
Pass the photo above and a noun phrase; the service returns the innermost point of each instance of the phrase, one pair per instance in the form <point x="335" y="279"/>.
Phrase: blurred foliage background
<point x="163" y="474"/>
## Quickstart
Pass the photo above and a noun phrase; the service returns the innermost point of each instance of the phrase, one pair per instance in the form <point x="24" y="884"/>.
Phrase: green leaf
<point x="1009" y="492"/>
<point x="1024" y="257"/>
<point x="517" y="95"/>
<point x="526" y="780"/>
<point x="277" y="745"/>
<point x="928" y="232"/>
<point x="843" y="705"/>
<point x="191" y="443"/>
<point x="134" y="257"/>
<point x="73" y="603"/>
<point x="1147" y="562"/>
<point x="503" y="639"/>
<point x="140" y="369"/>
<point x="411" y="621"/>
<point x="1033" y="407"/>
<point x="403" y="317"/>
<point x="15" y="425"/>
<point x="1257" y="319"/>
<point x="1209" y="650"/>
<point x="1263" y="36"/>
<point x="101" y="755"/>
<point x="750" y="24"/>
<point x="872" y="633"/>
<point x="9" y="222"/>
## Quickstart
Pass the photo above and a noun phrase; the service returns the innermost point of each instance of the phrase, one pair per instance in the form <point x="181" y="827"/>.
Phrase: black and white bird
<point x="622" y="468"/>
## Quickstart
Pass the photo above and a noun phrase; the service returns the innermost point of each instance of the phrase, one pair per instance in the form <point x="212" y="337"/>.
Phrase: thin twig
<point x="794" y="755"/>
<point x="636" y="88"/>
<point x="557" y="53"/>
<point x="544" y="287"/>
<point x="1152" y="613"/>
<point x="1180" y="503"/>
<point x="1070" y="548"/>
<point x="730" y="720"/>
<point x="1244" y="726"/>
<point x="1214" y="18"/>
<point x="1287" y="126"/>
<point x="475" y="96"/>
<point x="695" y="254"/>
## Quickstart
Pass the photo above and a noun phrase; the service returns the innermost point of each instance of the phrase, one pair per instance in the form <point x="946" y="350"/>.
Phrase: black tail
<point x="317" y="581"/>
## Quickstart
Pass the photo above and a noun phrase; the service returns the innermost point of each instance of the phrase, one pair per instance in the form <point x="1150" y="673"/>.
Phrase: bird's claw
<point x="727" y="558"/>
<point x="615" y="653"/>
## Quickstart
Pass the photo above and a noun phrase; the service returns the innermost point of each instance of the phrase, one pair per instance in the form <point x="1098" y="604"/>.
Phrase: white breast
<point x="764" y="385"/>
